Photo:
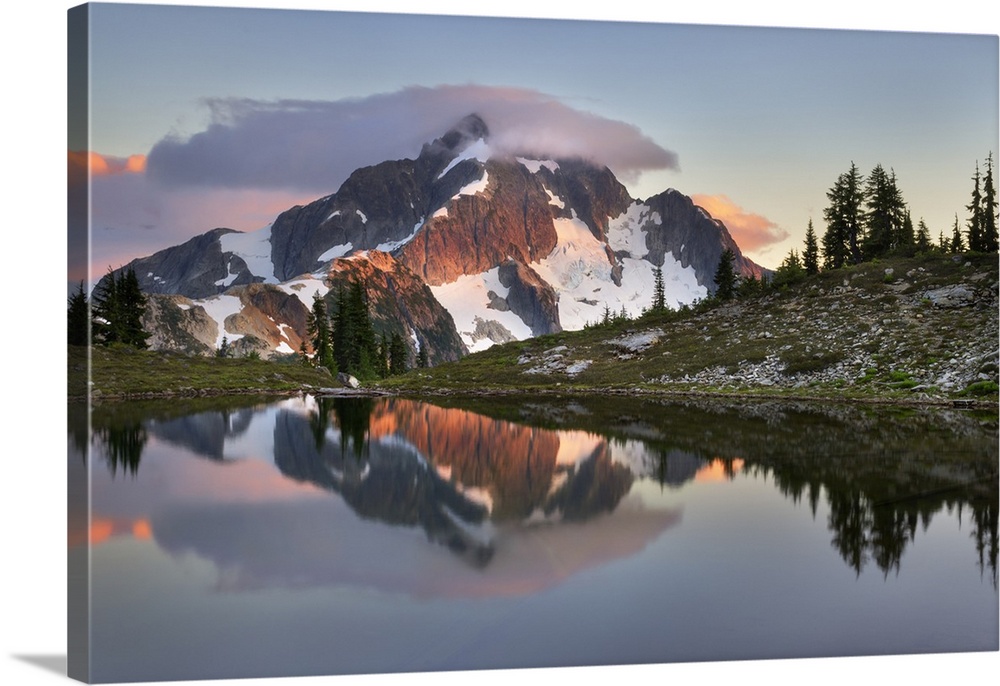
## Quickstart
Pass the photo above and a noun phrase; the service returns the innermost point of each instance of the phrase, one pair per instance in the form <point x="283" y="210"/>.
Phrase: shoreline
<point x="561" y="391"/>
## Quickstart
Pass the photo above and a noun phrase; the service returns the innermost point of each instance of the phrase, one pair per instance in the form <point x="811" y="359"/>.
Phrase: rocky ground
<point x="922" y="329"/>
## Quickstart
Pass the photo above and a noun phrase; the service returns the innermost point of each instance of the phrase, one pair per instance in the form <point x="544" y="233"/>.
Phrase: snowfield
<point x="254" y="248"/>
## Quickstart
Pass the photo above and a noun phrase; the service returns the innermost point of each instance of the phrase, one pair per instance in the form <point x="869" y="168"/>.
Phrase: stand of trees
<point x="114" y="314"/>
<point x="344" y="339"/>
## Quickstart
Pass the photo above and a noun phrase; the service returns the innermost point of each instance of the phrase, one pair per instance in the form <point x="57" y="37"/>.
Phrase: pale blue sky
<point x="765" y="117"/>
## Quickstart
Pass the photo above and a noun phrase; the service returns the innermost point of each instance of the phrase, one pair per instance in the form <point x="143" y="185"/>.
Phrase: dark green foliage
<point x="318" y="323"/>
<point x="118" y="307"/>
<point x="78" y="318"/>
<point x="750" y="286"/>
<point x="975" y="208"/>
<point x="725" y="276"/>
<point x="844" y="219"/>
<point x="223" y="350"/>
<point x="398" y="355"/>
<point x="659" y="296"/>
<point x="989" y="209"/>
<point x="956" y="245"/>
<point x="422" y="357"/>
<point x="810" y="256"/>
<point x="885" y="215"/>
<point x="790" y="272"/>
<point x="355" y="346"/>
<point x="923" y="239"/>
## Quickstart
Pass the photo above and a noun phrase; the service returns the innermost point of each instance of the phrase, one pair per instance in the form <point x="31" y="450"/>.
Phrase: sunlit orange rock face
<point x="516" y="464"/>
<point x="511" y="219"/>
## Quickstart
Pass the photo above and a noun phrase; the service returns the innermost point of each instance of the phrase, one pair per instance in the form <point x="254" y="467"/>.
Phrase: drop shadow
<point x="51" y="663"/>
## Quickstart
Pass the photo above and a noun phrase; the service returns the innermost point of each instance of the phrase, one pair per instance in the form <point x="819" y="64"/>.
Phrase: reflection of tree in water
<point x="123" y="446"/>
<point x="353" y="417"/>
<point x="885" y="472"/>
<point x="984" y="522"/>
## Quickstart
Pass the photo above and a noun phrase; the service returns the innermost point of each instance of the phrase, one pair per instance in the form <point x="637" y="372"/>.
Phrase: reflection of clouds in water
<point x="317" y="542"/>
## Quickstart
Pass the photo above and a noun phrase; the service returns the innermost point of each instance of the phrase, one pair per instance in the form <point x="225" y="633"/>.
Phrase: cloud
<point x="315" y="145"/>
<point x="750" y="231"/>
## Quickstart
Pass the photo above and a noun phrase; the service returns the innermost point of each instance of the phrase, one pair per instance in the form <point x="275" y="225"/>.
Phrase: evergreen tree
<point x="725" y="276"/>
<point x="223" y="350"/>
<point x="923" y="239"/>
<point x="398" y="355"/>
<point x="989" y="209"/>
<point x="659" y="293"/>
<point x="956" y="245"/>
<point x="789" y="272"/>
<point x="844" y="220"/>
<point x="975" y="208"/>
<point x="885" y="215"/>
<point x="943" y="244"/>
<point x="106" y="310"/>
<point x="422" y="361"/>
<point x="907" y="237"/>
<point x="318" y="328"/>
<point x="356" y="348"/>
<point x="749" y="286"/>
<point x="78" y="317"/>
<point x="118" y="307"/>
<point x="133" y="307"/>
<point x="304" y="354"/>
<point x="810" y="256"/>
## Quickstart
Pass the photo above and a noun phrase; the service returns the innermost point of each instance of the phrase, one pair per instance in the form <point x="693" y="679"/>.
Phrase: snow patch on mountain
<point x="480" y="150"/>
<point x="218" y="308"/>
<point x="534" y="166"/>
<point x="336" y="251"/>
<point x="305" y="288"/>
<point x="389" y="246"/>
<point x="555" y="200"/>
<point x="625" y="232"/>
<point x="467" y="299"/>
<point x="474" y="187"/>
<point x="254" y="248"/>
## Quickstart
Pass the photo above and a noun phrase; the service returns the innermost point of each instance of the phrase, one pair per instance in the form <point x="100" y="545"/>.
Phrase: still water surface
<point x="243" y="538"/>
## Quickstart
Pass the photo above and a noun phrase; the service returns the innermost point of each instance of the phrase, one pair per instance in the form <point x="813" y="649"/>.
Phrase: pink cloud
<point x="750" y="231"/>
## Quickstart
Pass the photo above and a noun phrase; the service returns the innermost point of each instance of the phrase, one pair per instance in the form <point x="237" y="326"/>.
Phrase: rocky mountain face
<point x="466" y="247"/>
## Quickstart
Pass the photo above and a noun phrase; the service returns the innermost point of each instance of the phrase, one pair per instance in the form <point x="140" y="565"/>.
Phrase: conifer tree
<point x="810" y="256"/>
<point x="789" y="272"/>
<point x="223" y="350"/>
<point x="133" y="307"/>
<point x="923" y="239"/>
<point x="398" y="355"/>
<point x="78" y="315"/>
<point x="422" y="361"/>
<point x="659" y="294"/>
<point x="844" y="218"/>
<point x="118" y="307"/>
<point x="956" y="245"/>
<point x="975" y="208"/>
<point x="989" y="209"/>
<point x="725" y="276"/>
<point x="318" y="323"/>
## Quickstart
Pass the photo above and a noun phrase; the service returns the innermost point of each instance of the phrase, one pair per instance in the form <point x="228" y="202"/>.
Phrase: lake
<point x="252" y="537"/>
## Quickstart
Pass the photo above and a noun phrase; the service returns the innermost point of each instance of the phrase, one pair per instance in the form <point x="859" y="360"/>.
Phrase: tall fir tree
<point x="659" y="292"/>
<point x="725" y="276"/>
<point x="884" y="219"/>
<point x="975" y="208"/>
<point x="844" y="219"/>
<point x="117" y="310"/>
<point x="399" y="354"/>
<point x="810" y="256"/>
<point x="78" y="318"/>
<point x="989" y="208"/>
<point x="320" y="334"/>
<point x="956" y="245"/>
<point x="923" y="239"/>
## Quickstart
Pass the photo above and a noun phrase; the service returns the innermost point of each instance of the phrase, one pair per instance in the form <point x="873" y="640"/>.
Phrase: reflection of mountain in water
<point x="204" y="433"/>
<point x="391" y="484"/>
<point x="452" y="473"/>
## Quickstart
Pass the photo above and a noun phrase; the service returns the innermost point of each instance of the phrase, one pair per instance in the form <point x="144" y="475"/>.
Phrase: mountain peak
<point x="470" y="129"/>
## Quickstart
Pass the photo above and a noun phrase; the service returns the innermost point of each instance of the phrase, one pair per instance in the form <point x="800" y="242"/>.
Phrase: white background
<point x="33" y="535"/>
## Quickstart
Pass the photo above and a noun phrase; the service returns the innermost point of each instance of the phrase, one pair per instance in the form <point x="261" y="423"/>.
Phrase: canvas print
<point x="405" y="343"/>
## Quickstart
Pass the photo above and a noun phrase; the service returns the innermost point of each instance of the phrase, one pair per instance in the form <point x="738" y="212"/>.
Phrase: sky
<point x="205" y="117"/>
<point x="33" y="47"/>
